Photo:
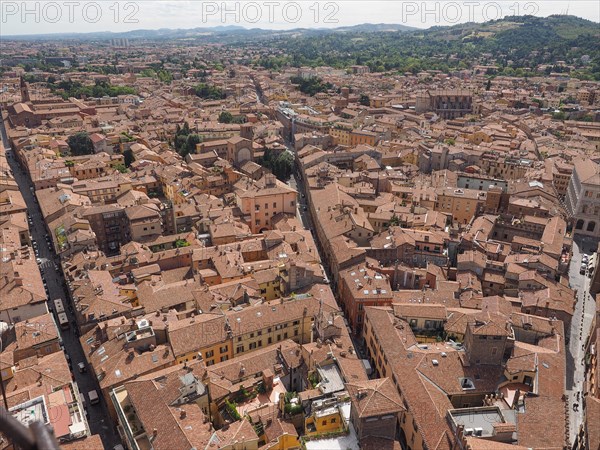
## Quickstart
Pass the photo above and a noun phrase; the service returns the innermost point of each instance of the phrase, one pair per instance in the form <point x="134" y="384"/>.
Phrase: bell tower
<point x="24" y="91"/>
<point x="247" y="131"/>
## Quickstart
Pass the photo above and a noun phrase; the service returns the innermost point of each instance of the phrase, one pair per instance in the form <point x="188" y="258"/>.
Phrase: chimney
<point x="182" y="414"/>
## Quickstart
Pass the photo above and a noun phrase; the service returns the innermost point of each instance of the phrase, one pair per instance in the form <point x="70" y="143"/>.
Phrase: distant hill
<point x="373" y="27"/>
<point x="515" y="43"/>
<point x="175" y="33"/>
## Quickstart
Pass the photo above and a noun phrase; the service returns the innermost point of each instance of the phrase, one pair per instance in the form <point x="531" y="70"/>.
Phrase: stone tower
<point x="24" y="91"/>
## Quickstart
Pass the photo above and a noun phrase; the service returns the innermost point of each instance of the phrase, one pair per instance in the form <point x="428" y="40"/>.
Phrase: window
<point x="209" y="354"/>
<point x="292" y="203"/>
<point x="252" y="345"/>
<point x="270" y="340"/>
<point x="223" y="349"/>
<point x="224" y="358"/>
<point x="210" y="363"/>
<point x="266" y="206"/>
<point x="324" y="422"/>
<point x="239" y="349"/>
<point x="274" y="204"/>
<point x="494" y="351"/>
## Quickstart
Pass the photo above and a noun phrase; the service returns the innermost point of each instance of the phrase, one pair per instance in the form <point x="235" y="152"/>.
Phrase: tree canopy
<point x="67" y="89"/>
<point x="312" y="85"/>
<point x="80" y="144"/>
<point x="209" y="92"/>
<point x="281" y="164"/>
<point x="185" y="141"/>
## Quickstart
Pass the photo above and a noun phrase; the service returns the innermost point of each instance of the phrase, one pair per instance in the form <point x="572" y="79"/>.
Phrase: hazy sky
<point x="38" y="17"/>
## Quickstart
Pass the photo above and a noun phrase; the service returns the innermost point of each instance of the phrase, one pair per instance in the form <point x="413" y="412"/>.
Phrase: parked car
<point x="93" y="395"/>
<point x="81" y="367"/>
<point x="585" y="258"/>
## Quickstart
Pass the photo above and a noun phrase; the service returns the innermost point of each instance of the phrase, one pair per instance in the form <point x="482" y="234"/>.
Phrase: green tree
<point x="191" y="142"/>
<point x="488" y="85"/>
<point x="179" y="243"/>
<point x="284" y="166"/>
<point x="128" y="157"/>
<point x="80" y="144"/>
<point x="225" y="117"/>
<point x="364" y="100"/>
<point x="311" y="86"/>
<point x="121" y="168"/>
<point x="209" y="92"/>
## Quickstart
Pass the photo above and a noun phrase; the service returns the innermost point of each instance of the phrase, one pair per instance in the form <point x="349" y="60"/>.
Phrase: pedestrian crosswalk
<point x="46" y="264"/>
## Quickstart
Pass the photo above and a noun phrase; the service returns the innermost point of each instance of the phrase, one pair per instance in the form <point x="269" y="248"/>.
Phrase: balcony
<point x="129" y="421"/>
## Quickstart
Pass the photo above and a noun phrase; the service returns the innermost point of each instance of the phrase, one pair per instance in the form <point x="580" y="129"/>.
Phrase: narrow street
<point x="99" y="420"/>
<point x="580" y="327"/>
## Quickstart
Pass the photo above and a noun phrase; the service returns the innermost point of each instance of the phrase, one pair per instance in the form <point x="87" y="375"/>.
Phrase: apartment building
<point x="448" y="104"/>
<point x="272" y="322"/>
<point x="145" y="222"/>
<point x="110" y="224"/>
<point x="360" y="287"/>
<point x="261" y="200"/>
<point x="463" y="204"/>
<point x="583" y="198"/>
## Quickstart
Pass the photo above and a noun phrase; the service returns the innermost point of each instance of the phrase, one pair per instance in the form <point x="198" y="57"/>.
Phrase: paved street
<point x="99" y="420"/>
<point x="580" y="327"/>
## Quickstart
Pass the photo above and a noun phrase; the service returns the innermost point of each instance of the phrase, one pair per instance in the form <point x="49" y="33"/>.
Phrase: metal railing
<point x="35" y="437"/>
